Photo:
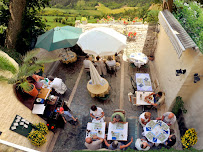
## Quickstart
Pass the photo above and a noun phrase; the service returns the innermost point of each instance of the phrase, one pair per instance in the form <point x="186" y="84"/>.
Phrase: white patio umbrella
<point x="95" y="77"/>
<point x="102" y="41"/>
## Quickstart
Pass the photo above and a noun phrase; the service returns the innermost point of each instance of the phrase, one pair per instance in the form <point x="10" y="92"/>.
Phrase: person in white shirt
<point x="110" y="62"/>
<point x="86" y="63"/>
<point x="144" y="118"/>
<point x="97" y="114"/>
<point x="57" y="84"/>
<point x="143" y="144"/>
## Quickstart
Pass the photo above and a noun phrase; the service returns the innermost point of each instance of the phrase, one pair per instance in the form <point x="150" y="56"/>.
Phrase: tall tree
<point x="16" y="9"/>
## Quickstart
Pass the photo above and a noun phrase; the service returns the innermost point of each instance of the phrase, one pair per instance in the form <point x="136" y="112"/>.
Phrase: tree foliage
<point x="32" y="25"/>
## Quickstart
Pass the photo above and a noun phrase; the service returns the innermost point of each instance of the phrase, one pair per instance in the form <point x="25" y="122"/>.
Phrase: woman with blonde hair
<point x="144" y="118"/>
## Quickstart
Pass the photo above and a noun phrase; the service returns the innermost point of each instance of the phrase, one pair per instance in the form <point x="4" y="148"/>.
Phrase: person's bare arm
<point x="75" y="119"/>
<point x="105" y="141"/>
<point x="101" y="116"/>
<point x="124" y="146"/>
<point x="162" y="118"/>
<point x="92" y="116"/>
<point x="142" y="120"/>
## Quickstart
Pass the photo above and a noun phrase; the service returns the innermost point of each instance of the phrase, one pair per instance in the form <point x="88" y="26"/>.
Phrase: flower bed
<point x="189" y="139"/>
<point x="190" y="16"/>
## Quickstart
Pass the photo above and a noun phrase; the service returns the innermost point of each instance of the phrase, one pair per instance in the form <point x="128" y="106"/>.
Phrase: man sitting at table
<point x="143" y="144"/>
<point x="57" y="84"/>
<point x="169" y="118"/>
<point x="97" y="114"/>
<point x="118" y="117"/>
<point x="93" y="143"/>
<point x="115" y="145"/>
<point x="158" y="98"/>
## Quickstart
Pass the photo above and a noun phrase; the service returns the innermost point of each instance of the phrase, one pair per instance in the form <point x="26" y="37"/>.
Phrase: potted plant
<point x="28" y="67"/>
<point x="189" y="139"/>
<point x="37" y="138"/>
<point x="29" y="88"/>
<point x="42" y="128"/>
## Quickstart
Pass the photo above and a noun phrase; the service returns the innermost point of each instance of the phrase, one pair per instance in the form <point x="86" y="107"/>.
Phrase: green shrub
<point x="179" y="105"/>
<point x="190" y="16"/>
<point x="152" y="16"/>
<point x="63" y="21"/>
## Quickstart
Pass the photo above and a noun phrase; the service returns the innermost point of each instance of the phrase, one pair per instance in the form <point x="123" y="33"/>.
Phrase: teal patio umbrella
<point x="59" y="37"/>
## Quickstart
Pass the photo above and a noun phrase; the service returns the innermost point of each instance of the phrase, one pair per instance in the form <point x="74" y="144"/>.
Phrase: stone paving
<point x="73" y="137"/>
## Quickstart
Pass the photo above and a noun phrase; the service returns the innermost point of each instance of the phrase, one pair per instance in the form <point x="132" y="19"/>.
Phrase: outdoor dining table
<point x="138" y="59"/>
<point x="98" y="90"/>
<point x="118" y="131"/>
<point x="44" y="93"/>
<point x="143" y="82"/>
<point x="68" y="57"/>
<point x="156" y="131"/>
<point x="140" y="96"/>
<point x="97" y="129"/>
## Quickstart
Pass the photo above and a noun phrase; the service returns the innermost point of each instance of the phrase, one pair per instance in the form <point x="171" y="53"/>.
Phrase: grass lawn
<point x="107" y="10"/>
<point x="51" y="23"/>
<point x="76" y="12"/>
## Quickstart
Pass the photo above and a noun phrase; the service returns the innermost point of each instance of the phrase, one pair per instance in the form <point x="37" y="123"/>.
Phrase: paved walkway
<point x="73" y="137"/>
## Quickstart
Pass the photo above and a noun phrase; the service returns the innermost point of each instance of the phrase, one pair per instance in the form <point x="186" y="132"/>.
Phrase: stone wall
<point x="151" y="40"/>
<point x="163" y="69"/>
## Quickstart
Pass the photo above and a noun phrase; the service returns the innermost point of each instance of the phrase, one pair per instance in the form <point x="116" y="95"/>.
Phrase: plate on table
<point x="38" y="99"/>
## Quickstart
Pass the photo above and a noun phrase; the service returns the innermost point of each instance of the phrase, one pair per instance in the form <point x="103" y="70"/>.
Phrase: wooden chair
<point x="134" y="85"/>
<point x="111" y="70"/>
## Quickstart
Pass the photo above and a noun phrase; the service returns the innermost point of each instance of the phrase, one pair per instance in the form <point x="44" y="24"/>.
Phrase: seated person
<point x="86" y="63"/>
<point x="117" y="58"/>
<point x="94" y="143"/>
<point x="57" y="84"/>
<point x="169" y="118"/>
<point x="67" y="117"/>
<point x="118" y="117"/>
<point x="157" y="100"/>
<point x="144" y="118"/>
<point x="100" y="66"/>
<point x="116" y="145"/>
<point x="97" y="114"/>
<point x="52" y="100"/>
<point x="170" y="141"/>
<point x="110" y="62"/>
<point x="37" y="78"/>
<point x="143" y="144"/>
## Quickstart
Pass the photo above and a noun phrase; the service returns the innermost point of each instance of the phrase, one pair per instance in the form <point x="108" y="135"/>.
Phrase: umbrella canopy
<point x="102" y="41"/>
<point x="95" y="77"/>
<point x="59" y="37"/>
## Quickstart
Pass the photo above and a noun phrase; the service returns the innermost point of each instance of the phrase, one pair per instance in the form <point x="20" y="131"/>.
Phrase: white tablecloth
<point x="138" y="59"/>
<point x="97" y="129"/>
<point x="156" y="131"/>
<point x="118" y="131"/>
